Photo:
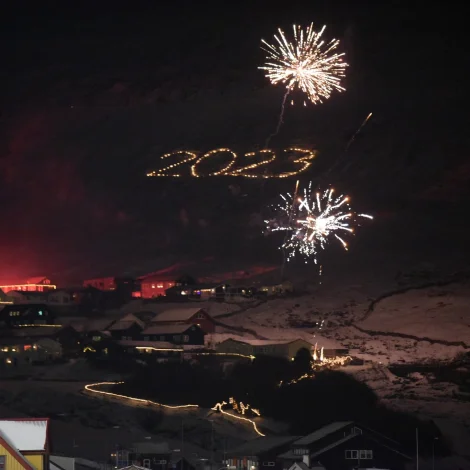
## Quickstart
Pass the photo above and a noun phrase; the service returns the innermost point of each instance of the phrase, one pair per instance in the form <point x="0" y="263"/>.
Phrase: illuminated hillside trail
<point x="217" y="407"/>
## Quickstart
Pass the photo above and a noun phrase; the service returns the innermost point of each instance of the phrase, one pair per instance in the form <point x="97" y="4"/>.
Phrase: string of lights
<point x="92" y="388"/>
<point x="223" y="171"/>
<point x="303" y="162"/>
<point x="164" y="171"/>
<point x="223" y="354"/>
<point x="217" y="407"/>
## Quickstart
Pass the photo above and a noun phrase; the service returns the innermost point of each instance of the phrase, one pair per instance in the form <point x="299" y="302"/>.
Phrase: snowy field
<point x="437" y="313"/>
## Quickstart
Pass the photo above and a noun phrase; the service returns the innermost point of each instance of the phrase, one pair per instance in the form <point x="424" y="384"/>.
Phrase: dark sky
<point x="92" y="94"/>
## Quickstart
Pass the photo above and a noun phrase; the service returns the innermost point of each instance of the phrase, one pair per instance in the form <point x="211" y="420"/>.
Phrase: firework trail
<point x="351" y="140"/>
<point x="279" y="122"/>
<point x="346" y="148"/>
<point x="312" y="221"/>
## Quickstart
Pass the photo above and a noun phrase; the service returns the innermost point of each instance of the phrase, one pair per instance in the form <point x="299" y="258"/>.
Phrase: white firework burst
<point x="312" y="221"/>
<point x="307" y="62"/>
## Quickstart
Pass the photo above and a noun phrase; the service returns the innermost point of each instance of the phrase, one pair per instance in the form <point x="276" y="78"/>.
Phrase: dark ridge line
<point x="415" y="338"/>
<point x="456" y="277"/>
<point x="240" y="310"/>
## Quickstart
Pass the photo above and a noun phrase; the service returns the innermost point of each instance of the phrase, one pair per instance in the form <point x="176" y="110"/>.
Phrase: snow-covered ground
<point x="437" y="313"/>
<point x="407" y="327"/>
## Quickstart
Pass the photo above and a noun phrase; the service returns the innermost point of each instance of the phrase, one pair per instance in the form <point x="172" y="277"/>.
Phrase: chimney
<point x="306" y="460"/>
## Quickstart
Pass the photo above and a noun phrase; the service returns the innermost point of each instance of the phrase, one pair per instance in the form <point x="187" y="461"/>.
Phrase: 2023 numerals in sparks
<point x="182" y="163"/>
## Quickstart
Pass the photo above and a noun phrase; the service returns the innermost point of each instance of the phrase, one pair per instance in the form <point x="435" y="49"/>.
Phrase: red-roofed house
<point x="193" y="316"/>
<point x="24" y="443"/>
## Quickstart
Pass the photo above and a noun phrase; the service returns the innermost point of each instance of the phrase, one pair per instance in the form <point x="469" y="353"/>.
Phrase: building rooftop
<point x="261" y="445"/>
<point x="88" y="324"/>
<point x="322" y="432"/>
<point x="333" y="445"/>
<point x="28" y="434"/>
<point x="149" y="344"/>
<point x="177" y="314"/>
<point x="36" y="331"/>
<point x="10" y="446"/>
<point x="167" y="329"/>
<point x="126" y="323"/>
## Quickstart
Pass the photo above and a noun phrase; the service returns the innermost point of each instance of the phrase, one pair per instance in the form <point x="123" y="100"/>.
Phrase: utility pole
<point x="417" y="453"/>
<point x="212" y="442"/>
<point x="182" y="445"/>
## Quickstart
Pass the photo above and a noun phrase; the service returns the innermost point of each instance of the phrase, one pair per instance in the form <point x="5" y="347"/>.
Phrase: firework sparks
<point x="308" y="62"/>
<point x="312" y="221"/>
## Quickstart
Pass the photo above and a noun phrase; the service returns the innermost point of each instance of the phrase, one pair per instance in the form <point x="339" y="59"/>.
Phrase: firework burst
<point x="312" y="221"/>
<point x="307" y="63"/>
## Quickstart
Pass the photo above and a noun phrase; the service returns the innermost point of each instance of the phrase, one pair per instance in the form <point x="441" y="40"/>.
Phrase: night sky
<point x="92" y="95"/>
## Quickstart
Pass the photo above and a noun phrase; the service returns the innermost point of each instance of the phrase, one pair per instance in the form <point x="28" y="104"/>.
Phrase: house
<point x="19" y="351"/>
<point x="195" y="316"/>
<point x="197" y="291"/>
<point x="260" y="454"/>
<point x="59" y="462"/>
<point x="66" y="336"/>
<point x="101" y="283"/>
<point x="29" y="437"/>
<point x="281" y="348"/>
<point x="34" y="284"/>
<point x="61" y="298"/>
<point x="92" y="329"/>
<point x="28" y="297"/>
<point x="176" y="334"/>
<point x="155" y="286"/>
<point x="168" y="454"/>
<point x="342" y="446"/>
<point x="128" y="328"/>
<point x="282" y="288"/>
<point x="10" y="457"/>
<point x="27" y="314"/>
<point x="5" y="299"/>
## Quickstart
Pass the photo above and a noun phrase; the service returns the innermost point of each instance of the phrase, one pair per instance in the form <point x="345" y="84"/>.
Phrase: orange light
<point x="217" y="407"/>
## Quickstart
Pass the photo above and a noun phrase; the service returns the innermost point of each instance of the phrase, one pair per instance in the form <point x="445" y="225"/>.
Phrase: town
<point x="164" y="320"/>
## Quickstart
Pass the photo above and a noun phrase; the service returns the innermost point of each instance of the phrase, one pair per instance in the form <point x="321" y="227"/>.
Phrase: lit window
<point x="160" y="286"/>
<point x="27" y="347"/>
<point x="351" y="454"/>
<point x="365" y="454"/>
<point x="40" y="312"/>
<point x="153" y="286"/>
